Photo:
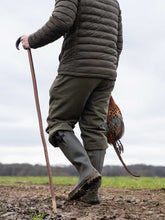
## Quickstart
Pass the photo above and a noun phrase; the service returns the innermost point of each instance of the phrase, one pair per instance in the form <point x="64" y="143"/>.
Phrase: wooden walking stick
<point x="40" y="124"/>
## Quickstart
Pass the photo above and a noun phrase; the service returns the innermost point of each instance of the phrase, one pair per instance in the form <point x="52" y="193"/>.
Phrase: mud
<point x="34" y="202"/>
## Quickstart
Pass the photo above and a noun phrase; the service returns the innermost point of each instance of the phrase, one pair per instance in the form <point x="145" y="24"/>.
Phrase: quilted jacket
<point x="92" y="32"/>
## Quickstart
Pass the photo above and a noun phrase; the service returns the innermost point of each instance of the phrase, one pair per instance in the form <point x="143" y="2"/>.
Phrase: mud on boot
<point x="91" y="196"/>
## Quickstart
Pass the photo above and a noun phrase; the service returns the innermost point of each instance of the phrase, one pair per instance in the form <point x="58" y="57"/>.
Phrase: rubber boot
<point x="77" y="155"/>
<point x="97" y="160"/>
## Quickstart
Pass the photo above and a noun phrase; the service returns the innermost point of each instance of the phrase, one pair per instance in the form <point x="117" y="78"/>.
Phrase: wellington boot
<point x="77" y="155"/>
<point x="97" y="160"/>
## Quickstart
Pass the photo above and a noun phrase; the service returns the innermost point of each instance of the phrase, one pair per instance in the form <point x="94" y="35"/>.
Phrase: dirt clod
<point x="27" y="202"/>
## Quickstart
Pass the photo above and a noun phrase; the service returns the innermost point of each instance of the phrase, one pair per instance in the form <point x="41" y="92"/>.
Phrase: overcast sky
<point x="139" y="90"/>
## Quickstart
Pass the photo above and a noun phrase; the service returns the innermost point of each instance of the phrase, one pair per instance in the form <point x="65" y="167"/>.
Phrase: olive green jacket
<point x="92" y="31"/>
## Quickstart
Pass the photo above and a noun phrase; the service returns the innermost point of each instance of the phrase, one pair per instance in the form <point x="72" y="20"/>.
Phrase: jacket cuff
<point x="32" y="42"/>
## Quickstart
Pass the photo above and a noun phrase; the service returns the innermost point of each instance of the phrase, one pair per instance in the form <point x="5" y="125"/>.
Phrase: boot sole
<point x="89" y="200"/>
<point x="81" y="189"/>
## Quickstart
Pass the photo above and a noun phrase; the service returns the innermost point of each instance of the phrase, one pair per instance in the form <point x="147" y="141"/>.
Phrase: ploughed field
<point x="121" y="198"/>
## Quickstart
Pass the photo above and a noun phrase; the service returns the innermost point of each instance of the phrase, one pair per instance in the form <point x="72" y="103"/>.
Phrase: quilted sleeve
<point x="59" y="23"/>
<point x="120" y="36"/>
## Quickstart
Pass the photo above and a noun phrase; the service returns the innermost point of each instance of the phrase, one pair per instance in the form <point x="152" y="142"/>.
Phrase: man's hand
<point x="25" y="43"/>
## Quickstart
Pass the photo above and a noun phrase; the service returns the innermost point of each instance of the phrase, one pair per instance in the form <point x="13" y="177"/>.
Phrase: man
<point x="89" y="58"/>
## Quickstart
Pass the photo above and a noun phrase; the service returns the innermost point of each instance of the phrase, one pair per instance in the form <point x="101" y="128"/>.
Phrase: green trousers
<point x="83" y="100"/>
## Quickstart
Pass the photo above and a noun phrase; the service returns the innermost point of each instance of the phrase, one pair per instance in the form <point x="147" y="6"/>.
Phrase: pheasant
<point x="115" y="130"/>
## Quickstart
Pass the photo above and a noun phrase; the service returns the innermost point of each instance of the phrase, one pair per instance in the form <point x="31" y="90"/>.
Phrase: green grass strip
<point x="37" y="180"/>
<point x="135" y="183"/>
<point x="116" y="182"/>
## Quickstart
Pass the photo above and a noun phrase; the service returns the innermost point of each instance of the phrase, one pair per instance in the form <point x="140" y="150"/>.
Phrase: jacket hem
<point x="88" y="75"/>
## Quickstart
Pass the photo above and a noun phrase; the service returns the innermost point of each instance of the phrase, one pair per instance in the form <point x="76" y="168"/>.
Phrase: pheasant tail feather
<point x="120" y="158"/>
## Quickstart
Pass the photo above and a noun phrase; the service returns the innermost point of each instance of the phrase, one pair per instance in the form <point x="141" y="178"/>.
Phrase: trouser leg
<point x="68" y="98"/>
<point x="94" y="116"/>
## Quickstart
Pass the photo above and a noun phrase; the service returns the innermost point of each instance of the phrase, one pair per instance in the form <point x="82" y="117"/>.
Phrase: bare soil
<point x="33" y="201"/>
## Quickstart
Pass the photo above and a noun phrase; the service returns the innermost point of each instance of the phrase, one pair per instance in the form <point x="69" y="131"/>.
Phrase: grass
<point x="39" y="217"/>
<point x="38" y="180"/>
<point x="35" y="214"/>
<point x="135" y="183"/>
<point x="2" y="209"/>
<point x="116" y="182"/>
